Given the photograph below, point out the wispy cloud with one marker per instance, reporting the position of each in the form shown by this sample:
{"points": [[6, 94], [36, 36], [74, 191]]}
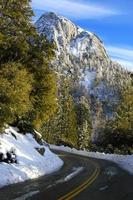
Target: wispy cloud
{"points": [[74, 9], [123, 55]]}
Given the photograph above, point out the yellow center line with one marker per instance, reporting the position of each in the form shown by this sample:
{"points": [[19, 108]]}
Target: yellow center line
{"points": [[83, 186], [61, 155]]}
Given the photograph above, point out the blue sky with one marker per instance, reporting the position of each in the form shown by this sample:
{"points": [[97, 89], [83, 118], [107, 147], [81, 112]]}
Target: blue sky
{"points": [[111, 20]]}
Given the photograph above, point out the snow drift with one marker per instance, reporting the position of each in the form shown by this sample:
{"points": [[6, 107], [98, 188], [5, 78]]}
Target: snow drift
{"points": [[30, 163]]}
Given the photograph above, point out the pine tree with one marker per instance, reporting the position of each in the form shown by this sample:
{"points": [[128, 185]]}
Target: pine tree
{"points": [[123, 123], [45, 102], [67, 123], [99, 122], [16, 29], [14, 92], [20, 44], [84, 123], [62, 126]]}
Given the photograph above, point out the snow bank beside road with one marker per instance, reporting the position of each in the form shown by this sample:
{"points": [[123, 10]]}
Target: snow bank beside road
{"points": [[124, 161], [31, 164]]}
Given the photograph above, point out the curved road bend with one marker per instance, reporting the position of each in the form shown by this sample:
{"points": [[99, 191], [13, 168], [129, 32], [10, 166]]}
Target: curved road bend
{"points": [[97, 180]]}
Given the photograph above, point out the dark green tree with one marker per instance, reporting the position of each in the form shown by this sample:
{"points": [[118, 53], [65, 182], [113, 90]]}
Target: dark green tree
{"points": [[62, 127], [67, 123], [84, 123], [16, 30], [15, 101], [20, 45], [123, 123], [99, 121]]}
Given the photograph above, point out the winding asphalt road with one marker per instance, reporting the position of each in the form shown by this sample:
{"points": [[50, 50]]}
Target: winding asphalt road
{"points": [[96, 180]]}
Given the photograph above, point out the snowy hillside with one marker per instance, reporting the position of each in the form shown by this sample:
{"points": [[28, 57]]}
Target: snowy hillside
{"points": [[30, 163]]}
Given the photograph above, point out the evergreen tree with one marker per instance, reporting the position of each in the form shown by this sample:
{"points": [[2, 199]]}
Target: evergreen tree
{"points": [[67, 116], [84, 123], [45, 102], [123, 123], [99, 122], [62, 127], [16, 30], [20, 45], [14, 92]]}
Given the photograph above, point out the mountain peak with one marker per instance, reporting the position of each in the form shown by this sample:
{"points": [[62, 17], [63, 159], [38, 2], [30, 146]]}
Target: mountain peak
{"points": [[51, 15], [51, 22], [69, 38], [52, 19]]}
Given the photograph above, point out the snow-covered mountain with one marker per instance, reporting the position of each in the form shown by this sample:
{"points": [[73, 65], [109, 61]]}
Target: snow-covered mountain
{"points": [[72, 42], [78, 51], [81, 56]]}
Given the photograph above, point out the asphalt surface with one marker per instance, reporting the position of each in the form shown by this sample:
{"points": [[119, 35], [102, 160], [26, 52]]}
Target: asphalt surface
{"points": [[98, 180]]}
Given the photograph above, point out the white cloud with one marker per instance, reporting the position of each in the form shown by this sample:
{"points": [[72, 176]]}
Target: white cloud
{"points": [[121, 52], [127, 64], [74, 9], [123, 55]]}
